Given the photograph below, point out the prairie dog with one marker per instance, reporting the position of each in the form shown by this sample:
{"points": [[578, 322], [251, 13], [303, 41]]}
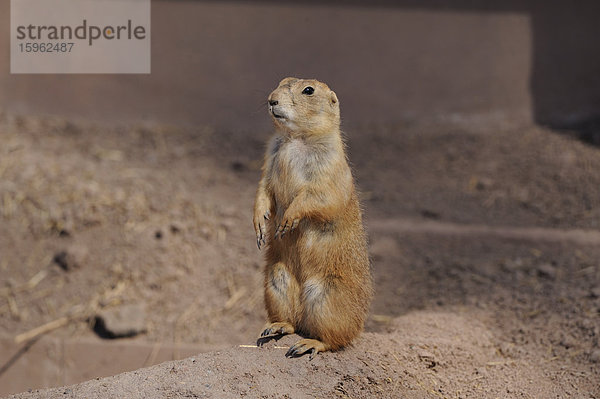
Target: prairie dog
{"points": [[317, 278]]}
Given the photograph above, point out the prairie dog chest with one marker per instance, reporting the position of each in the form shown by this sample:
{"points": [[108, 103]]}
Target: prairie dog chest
{"points": [[295, 164], [300, 158]]}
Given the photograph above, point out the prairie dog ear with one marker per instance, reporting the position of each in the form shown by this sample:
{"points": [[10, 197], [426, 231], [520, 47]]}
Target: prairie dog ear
{"points": [[333, 98]]}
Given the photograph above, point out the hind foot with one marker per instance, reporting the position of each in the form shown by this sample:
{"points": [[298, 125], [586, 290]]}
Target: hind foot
{"points": [[274, 331], [304, 346], [280, 328]]}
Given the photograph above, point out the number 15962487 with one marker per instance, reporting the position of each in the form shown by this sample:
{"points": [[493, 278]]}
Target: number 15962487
{"points": [[46, 47]]}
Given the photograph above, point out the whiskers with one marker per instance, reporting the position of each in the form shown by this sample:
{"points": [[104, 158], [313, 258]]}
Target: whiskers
{"points": [[262, 106]]}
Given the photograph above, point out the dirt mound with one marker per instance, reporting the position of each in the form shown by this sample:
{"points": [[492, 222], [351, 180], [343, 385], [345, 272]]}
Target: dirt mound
{"points": [[429, 354]]}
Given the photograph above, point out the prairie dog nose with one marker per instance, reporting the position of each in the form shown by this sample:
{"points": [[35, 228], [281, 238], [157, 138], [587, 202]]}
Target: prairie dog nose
{"points": [[273, 102]]}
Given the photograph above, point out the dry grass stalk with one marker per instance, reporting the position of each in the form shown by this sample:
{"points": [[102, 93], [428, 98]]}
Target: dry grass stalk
{"points": [[43, 329]]}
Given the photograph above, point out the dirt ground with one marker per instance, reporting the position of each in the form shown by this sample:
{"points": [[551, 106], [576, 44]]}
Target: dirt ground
{"points": [[485, 245]]}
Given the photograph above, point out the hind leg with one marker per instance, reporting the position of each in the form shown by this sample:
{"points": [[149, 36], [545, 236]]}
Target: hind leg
{"points": [[281, 300], [332, 316]]}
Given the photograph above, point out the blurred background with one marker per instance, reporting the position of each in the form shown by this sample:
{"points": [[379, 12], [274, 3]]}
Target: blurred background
{"points": [[473, 130], [527, 61]]}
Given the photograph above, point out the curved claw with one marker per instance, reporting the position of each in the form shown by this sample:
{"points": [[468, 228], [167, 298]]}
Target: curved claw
{"points": [[301, 349], [280, 230], [289, 227], [295, 350], [295, 224], [274, 331], [305, 346], [260, 235], [260, 238], [260, 241], [286, 227], [269, 331]]}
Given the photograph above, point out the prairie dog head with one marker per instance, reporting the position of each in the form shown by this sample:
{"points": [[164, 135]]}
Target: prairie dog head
{"points": [[304, 106]]}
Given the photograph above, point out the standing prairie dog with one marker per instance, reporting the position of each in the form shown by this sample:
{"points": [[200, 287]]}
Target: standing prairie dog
{"points": [[317, 277]]}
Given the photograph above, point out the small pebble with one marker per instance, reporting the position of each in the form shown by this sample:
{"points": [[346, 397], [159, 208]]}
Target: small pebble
{"points": [[547, 271], [71, 258], [124, 321], [428, 358]]}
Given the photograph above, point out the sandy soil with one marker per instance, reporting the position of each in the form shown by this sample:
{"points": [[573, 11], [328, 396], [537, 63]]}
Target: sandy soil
{"points": [[484, 240]]}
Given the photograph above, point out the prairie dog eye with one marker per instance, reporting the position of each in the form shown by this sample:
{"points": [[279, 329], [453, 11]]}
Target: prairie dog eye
{"points": [[308, 90]]}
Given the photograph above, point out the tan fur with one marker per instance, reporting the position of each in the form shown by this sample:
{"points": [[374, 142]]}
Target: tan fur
{"points": [[317, 276]]}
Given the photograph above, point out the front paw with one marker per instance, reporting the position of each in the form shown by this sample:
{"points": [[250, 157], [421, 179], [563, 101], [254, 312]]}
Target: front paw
{"points": [[260, 219], [287, 224]]}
